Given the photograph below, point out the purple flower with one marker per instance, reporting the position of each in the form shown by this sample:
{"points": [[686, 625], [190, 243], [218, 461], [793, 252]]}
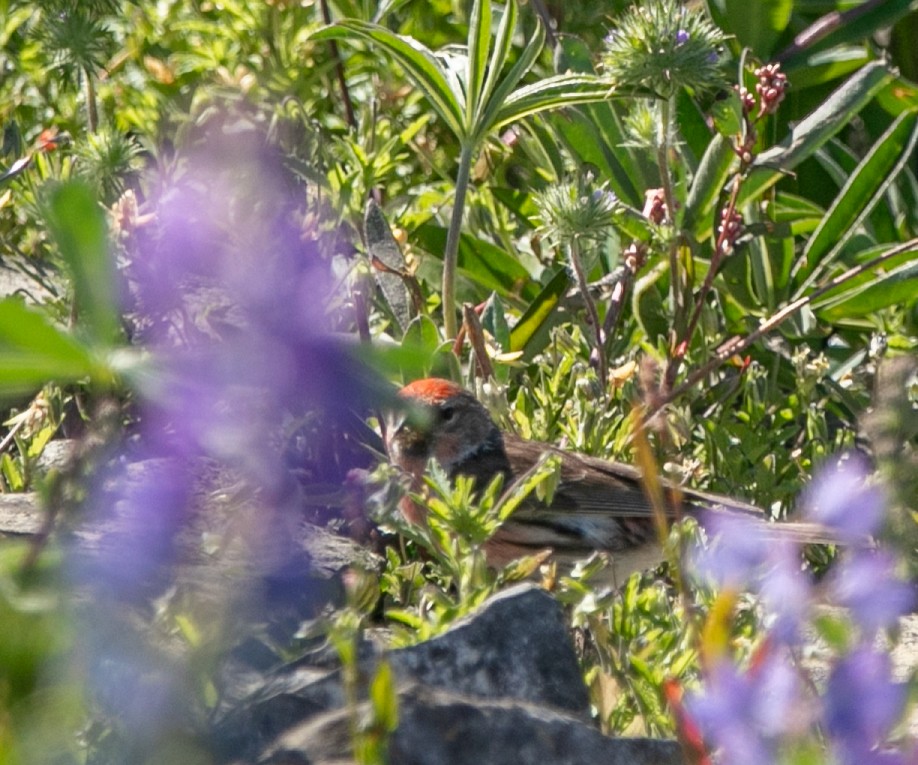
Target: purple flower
{"points": [[867, 584], [604, 196], [785, 592], [841, 499], [861, 705], [747, 715], [736, 553], [682, 37]]}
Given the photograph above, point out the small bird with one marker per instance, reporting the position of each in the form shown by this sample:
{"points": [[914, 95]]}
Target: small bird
{"points": [[598, 504]]}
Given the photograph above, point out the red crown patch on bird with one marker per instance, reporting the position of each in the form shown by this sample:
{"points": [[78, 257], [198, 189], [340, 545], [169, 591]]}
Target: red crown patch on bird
{"points": [[430, 390]]}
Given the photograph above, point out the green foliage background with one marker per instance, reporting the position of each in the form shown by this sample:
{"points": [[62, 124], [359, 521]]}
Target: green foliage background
{"points": [[467, 125]]}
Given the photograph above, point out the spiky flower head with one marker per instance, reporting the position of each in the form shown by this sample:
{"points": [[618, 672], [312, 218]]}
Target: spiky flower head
{"points": [[575, 209], [660, 47]]}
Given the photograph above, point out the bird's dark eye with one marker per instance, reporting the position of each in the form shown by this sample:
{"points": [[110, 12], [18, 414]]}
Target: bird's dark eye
{"points": [[447, 412]]}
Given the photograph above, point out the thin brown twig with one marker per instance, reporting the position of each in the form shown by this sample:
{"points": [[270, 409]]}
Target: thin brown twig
{"points": [[339, 70], [473, 330], [738, 344], [824, 26], [717, 259]]}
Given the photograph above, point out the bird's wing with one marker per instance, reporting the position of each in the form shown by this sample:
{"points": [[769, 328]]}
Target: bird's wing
{"points": [[602, 504]]}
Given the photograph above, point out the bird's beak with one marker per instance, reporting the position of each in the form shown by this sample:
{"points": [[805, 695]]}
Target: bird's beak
{"points": [[406, 427], [393, 424]]}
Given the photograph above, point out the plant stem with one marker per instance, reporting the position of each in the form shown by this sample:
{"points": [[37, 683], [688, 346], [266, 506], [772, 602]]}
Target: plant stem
{"points": [[451, 255], [670, 199], [349, 117], [574, 254], [92, 111], [717, 258]]}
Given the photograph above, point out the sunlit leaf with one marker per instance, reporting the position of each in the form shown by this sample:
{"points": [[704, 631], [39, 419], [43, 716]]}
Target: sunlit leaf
{"points": [[864, 188], [78, 226], [418, 61], [34, 351]]}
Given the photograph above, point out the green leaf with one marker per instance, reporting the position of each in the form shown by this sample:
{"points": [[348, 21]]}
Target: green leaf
{"points": [[527, 331], [482, 262], [478, 46], [869, 19], [499, 54], [552, 93], [382, 246], [727, 114], [864, 188], [894, 282], [817, 128], [419, 63], [715, 168], [77, 224], [833, 64], [486, 119], [801, 214], [494, 320], [384, 694], [756, 25], [590, 135], [33, 351], [12, 472]]}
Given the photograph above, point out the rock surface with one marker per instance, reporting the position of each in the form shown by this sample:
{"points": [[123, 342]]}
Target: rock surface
{"points": [[441, 728], [502, 685]]}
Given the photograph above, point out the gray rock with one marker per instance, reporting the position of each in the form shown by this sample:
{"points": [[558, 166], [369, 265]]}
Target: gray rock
{"points": [[441, 728], [515, 647], [56, 455], [20, 514]]}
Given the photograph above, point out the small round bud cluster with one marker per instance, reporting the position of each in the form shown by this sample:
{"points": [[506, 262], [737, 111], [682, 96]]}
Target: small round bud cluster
{"points": [[771, 87], [729, 230], [655, 206], [747, 99], [634, 256]]}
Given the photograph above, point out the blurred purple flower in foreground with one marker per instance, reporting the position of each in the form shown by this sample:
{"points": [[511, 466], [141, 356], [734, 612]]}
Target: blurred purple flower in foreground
{"points": [[861, 706], [745, 555], [757, 715], [867, 585], [748, 715], [231, 302], [841, 499]]}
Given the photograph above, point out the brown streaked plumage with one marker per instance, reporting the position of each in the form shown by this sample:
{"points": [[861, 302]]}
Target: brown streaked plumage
{"points": [[598, 505]]}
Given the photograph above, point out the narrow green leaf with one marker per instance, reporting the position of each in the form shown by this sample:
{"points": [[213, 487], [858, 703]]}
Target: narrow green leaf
{"points": [[419, 63], [817, 128], [898, 286], [33, 351], [727, 114], [801, 214], [482, 262], [518, 202], [382, 246], [830, 65], [849, 292], [494, 319], [715, 168], [865, 187], [524, 335], [77, 224], [554, 92], [499, 55], [874, 17], [504, 87], [479, 43], [384, 695], [757, 26], [580, 131]]}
